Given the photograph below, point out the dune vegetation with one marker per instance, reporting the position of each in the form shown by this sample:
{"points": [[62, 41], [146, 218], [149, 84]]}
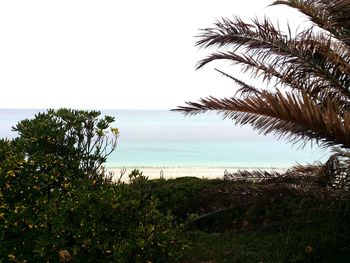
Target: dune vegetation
{"points": [[59, 204]]}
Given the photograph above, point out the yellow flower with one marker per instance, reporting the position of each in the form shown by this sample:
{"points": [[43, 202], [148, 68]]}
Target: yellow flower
{"points": [[115, 131]]}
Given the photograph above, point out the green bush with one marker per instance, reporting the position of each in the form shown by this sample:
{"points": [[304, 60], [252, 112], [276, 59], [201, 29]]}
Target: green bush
{"points": [[57, 204], [74, 142], [186, 196], [112, 223]]}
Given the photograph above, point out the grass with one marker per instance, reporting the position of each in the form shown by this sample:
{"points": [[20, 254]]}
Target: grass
{"points": [[312, 244]]}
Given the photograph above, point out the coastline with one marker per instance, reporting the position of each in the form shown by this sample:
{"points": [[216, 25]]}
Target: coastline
{"points": [[168, 172]]}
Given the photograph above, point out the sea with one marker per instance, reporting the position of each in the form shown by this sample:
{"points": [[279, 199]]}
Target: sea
{"points": [[162, 138]]}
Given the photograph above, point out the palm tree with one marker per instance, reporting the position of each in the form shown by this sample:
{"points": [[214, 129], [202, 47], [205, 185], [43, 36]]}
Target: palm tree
{"points": [[306, 74]]}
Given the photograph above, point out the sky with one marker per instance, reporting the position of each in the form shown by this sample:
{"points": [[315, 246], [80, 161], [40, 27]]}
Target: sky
{"points": [[105, 54]]}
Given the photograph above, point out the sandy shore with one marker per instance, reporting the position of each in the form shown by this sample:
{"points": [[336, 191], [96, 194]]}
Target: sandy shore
{"points": [[173, 172]]}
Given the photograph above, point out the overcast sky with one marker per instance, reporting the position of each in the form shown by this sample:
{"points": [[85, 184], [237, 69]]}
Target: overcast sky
{"points": [[131, 54]]}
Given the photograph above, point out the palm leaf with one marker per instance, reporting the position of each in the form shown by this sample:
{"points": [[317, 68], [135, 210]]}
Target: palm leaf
{"points": [[332, 16], [322, 66], [296, 118]]}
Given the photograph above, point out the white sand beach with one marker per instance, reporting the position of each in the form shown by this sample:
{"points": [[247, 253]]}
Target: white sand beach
{"points": [[174, 172]]}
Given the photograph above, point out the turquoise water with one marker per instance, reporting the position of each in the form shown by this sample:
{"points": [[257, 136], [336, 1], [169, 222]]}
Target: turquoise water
{"points": [[158, 138]]}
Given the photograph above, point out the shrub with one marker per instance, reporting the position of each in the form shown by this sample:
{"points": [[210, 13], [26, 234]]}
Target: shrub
{"points": [[57, 205], [115, 222], [73, 140]]}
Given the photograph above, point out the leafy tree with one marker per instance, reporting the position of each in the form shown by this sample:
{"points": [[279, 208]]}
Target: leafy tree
{"points": [[307, 74]]}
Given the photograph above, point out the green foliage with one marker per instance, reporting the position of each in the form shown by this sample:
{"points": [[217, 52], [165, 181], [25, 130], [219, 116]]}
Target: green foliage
{"points": [[75, 141], [112, 223], [56, 200], [5, 149], [190, 195]]}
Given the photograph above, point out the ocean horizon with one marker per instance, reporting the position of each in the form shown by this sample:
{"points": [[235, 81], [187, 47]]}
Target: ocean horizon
{"points": [[163, 139]]}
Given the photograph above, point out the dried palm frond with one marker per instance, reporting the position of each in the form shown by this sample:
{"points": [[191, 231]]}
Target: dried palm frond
{"points": [[335, 173], [309, 62], [254, 176], [292, 179], [332, 16], [283, 114]]}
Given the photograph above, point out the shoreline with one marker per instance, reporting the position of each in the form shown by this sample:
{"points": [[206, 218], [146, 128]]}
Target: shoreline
{"points": [[167, 172]]}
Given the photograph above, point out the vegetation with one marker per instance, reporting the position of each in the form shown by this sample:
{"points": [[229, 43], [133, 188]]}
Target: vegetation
{"points": [[58, 203], [77, 140]]}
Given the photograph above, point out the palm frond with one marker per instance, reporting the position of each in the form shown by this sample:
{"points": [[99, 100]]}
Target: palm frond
{"points": [[332, 16], [300, 177], [285, 115], [254, 176], [312, 59]]}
